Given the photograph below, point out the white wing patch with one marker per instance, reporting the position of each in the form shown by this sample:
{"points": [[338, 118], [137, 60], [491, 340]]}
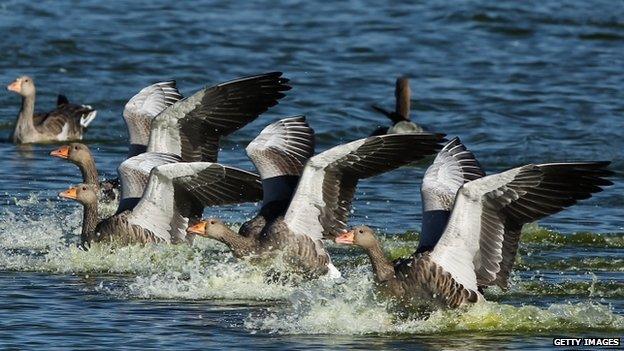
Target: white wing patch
{"points": [[62, 136], [458, 249], [302, 217]]}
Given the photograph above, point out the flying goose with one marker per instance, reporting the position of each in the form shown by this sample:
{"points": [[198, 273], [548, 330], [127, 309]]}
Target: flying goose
{"points": [[400, 117], [479, 244], [66, 122], [321, 203], [176, 193]]}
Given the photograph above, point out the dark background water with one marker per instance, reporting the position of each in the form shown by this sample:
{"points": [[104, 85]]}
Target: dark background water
{"points": [[519, 82]]}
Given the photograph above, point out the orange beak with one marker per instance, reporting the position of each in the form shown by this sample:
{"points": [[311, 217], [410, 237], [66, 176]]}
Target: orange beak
{"points": [[346, 238], [61, 152], [70, 193], [15, 86], [199, 228]]}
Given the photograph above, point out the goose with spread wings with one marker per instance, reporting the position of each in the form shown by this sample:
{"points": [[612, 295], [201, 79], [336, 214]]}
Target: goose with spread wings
{"points": [[279, 153], [175, 194], [138, 114], [164, 128], [322, 200], [479, 243]]}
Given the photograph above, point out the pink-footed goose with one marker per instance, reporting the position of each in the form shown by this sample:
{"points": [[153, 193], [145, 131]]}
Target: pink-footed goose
{"points": [[479, 243], [66, 122], [189, 129], [322, 200], [400, 117], [175, 194]]}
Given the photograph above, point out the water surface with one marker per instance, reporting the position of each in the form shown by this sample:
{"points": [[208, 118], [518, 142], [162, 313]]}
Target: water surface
{"points": [[519, 82]]}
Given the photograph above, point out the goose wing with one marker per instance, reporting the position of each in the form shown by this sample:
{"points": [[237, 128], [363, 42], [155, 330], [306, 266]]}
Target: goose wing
{"points": [[279, 153], [177, 192], [453, 167], [144, 106], [322, 201], [191, 128], [480, 242], [134, 174]]}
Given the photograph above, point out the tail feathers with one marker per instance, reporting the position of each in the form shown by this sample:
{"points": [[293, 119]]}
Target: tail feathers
{"points": [[86, 119]]}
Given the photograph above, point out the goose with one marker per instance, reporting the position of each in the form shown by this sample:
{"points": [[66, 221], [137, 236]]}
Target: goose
{"points": [[176, 193], [138, 113], [479, 243], [188, 129], [279, 153], [66, 122], [321, 203], [400, 117]]}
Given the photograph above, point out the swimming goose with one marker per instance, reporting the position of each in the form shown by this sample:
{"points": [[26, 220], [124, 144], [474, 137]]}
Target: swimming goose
{"points": [[176, 193], [66, 122], [321, 203], [480, 241], [400, 117]]}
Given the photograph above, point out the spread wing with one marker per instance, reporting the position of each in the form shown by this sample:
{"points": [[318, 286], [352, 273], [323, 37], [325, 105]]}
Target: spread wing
{"points": [[191, 128], [279, 153], [480, 241], [453, 166], [134, 174], [177, 192], [322, 201], [144, 106]]}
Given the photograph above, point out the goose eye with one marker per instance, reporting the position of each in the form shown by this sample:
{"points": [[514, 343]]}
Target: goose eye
{"points": [[212, 222], [75, 147], [360, 231], [84, 188]]}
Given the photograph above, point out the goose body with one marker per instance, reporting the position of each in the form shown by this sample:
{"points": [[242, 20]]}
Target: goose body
{"points": [[478, 244], [66, 122], [321, 203]]}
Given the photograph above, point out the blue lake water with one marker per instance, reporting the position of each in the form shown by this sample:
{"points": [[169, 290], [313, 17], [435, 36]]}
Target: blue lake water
{"points": [[519, 82]]}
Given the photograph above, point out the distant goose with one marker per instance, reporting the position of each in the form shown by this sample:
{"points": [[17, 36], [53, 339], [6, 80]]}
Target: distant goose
{"points": [[321, 203], [66, 122], [400, 117], [479, 244], [176, 193]]}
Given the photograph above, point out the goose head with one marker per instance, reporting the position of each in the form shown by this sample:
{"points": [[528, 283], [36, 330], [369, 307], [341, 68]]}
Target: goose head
{"points": [[210, 228], [85, 194], [362, 236], [75, 152], [24, 85]]}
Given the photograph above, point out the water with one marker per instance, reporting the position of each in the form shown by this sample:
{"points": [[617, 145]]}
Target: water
{"points": [[519, 82]]}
